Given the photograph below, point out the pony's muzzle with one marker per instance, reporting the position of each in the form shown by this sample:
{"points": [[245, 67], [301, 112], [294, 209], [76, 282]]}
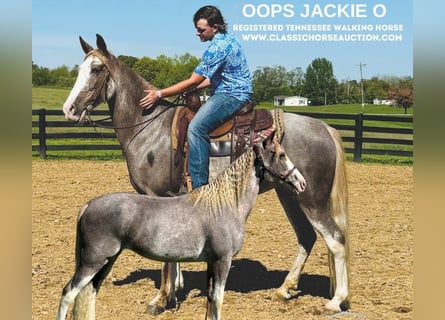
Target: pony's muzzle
{"points": [[296, 179]]}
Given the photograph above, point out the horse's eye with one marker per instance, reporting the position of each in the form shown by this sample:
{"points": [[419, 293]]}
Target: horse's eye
{"points": [[96, 70]]}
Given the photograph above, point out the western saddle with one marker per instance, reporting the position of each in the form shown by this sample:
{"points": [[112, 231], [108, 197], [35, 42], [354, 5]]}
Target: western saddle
{"points": [[230, 139]]}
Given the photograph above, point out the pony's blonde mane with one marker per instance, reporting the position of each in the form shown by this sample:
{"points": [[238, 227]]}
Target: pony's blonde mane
{"points": [[226, 190]]}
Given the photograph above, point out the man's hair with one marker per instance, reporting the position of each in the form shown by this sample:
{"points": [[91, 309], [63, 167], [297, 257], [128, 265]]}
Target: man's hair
{"points": [[213, 16]]}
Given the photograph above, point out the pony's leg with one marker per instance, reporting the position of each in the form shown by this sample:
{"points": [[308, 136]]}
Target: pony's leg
{"points": [[210, 280], [306, 237], [166, 293], [85, 302], [217, 273], [179, 281], [70, 292]]}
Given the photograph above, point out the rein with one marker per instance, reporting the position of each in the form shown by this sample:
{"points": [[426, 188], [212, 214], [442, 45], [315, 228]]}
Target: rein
{"points": [[147, 122], [96, 124]]}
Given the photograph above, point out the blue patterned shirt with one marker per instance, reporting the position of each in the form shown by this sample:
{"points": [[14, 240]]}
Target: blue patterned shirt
{"points": [[225, 64]]}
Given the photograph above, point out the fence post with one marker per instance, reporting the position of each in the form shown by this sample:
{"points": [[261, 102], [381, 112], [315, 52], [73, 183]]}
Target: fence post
{"points": [[358, 138], [42, 133]]}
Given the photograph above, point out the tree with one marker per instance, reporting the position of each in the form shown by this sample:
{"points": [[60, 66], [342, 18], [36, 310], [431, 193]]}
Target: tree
{"points": [[40, 76], [182, 67], [147, 68], [320, 83], [128, 60], [348, 91], [403, 97], [376, 89], [295, 80], [61, 77], [271, 81]]}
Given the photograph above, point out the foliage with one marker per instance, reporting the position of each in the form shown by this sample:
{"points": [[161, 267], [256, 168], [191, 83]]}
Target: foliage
{"points": [[128, 60], [58, 77], [147, 68], [320, 83], [376, 88], [403, 96], [269, 82]]}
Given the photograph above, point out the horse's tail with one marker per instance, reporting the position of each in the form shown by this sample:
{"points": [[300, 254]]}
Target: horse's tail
{"points": [[339, 204], [84, 304]]}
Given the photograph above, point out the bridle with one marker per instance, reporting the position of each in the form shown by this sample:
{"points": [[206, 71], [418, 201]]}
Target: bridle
{"points": [[280, 176], [101, 93]]}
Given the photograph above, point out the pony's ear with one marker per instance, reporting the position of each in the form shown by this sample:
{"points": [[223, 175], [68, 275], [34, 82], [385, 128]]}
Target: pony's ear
{"points": [[85, 46], [269, 140], [101, 45]]}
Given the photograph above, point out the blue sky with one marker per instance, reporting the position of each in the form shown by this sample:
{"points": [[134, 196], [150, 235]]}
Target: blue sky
{"points": [[149, 28]]}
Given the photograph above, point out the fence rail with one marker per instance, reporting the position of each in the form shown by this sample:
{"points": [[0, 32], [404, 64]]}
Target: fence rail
{"points": [[371, 134]]}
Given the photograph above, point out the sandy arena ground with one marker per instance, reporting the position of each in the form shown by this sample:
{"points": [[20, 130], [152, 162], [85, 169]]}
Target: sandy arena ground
{"points": [[381, 218]]}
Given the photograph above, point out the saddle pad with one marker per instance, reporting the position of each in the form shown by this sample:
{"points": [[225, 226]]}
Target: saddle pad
{"points": [[223, 147]]}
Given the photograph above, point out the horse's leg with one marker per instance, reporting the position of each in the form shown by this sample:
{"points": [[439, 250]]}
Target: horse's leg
{"points": [[217, 273], [166, 293], [306, 237], [335, 239]]}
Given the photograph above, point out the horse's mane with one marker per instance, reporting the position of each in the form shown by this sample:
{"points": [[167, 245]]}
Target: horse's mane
{"points": [[227, 189]]}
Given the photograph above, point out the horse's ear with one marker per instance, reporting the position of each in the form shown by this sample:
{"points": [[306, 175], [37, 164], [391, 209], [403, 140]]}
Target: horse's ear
{"points": [[85, 46], [101, 45]]}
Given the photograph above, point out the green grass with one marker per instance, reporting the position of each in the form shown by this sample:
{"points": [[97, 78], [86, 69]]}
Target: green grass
{"points": [[48, 98], [53, 98], [343, 108]]}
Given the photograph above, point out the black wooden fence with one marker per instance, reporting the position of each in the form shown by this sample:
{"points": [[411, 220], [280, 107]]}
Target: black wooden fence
{"points": [[361, 133]]}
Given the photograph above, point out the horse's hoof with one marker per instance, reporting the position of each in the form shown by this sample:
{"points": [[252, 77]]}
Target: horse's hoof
{"points": [[345, 305], [154, 309], [332, 306], [278, 296]]}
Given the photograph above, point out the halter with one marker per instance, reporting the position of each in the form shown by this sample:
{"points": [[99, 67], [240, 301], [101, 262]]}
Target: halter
{"points": [[281, 177]]}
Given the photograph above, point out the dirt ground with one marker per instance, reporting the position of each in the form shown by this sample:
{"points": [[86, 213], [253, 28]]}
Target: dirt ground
{"points": [[381, 218]]}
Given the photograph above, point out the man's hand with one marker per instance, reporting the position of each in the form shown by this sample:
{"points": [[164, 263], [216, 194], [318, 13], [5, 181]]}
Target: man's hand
{"points": [[147, 101]]}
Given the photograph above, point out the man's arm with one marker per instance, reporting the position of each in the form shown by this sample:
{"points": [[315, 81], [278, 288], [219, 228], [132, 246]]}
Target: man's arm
{"points": [[206, 83], [152, 96]]}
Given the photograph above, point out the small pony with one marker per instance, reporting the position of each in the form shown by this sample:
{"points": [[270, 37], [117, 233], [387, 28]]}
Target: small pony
{"points": [[209, 222]]}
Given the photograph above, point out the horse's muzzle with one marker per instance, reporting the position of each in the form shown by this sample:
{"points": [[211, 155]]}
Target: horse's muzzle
{"points": [[71, 113]]}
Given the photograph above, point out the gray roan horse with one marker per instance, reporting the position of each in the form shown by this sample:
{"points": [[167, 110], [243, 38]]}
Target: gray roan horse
{"points": [[145, 135], [210, 221]]}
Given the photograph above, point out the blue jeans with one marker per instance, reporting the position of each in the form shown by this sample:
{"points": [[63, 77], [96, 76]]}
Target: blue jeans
{"points": [[218, 109]]}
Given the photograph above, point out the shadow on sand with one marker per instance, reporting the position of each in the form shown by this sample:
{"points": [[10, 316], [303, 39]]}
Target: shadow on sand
{"points": [[245, 276]]}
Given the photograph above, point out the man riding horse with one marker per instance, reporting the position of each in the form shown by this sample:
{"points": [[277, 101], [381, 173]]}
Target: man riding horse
{"points": [[223, 67]]}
